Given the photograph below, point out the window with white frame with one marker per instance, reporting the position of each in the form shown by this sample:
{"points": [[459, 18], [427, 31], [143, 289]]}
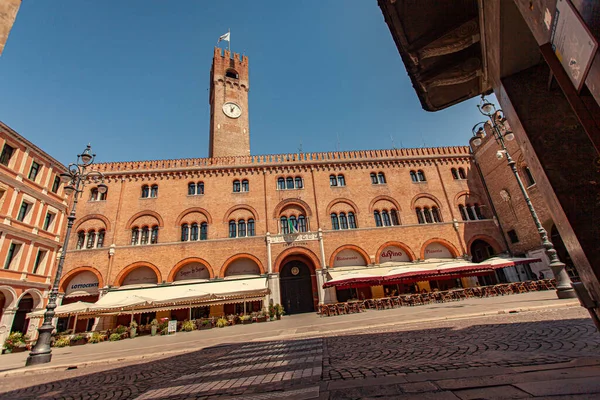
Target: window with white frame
{"points": [[13, 255], [289, 183]]}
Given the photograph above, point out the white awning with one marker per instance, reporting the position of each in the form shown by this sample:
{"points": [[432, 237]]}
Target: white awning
{"points": [[78, 307], [502, 262], [180, 295]]}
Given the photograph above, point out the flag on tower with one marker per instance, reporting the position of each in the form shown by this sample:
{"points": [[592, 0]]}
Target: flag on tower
{"points": [[224, 37]]}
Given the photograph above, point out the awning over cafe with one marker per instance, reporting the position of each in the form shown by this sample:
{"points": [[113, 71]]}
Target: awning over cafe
{"points": [[182, 294], [79, 307], [503, 262]]}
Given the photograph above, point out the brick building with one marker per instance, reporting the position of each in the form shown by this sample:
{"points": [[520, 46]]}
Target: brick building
{"points": [[289, 221], [32, 212]]}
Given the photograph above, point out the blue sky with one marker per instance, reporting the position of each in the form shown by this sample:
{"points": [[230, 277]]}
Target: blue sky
{"points": [[132, 78]]}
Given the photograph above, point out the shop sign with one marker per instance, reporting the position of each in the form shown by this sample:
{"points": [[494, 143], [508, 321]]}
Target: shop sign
{"points": [[437, 250], [393, 253], [192, 271], [349, 258], [85, 281], [294, 237], [242, 266], [172, 327], [140, 276]]}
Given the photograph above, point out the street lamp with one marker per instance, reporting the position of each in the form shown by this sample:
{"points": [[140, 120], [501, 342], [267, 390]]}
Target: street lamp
{"points": [[502, 132], [74, 181]]}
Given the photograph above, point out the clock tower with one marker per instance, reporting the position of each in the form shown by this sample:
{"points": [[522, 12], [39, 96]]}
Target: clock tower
{"points": [[229, 85]]}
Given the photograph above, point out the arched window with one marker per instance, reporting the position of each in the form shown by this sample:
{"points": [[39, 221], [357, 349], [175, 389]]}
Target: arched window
{"points": [[101, 234], [80, 239], [154, 235], [145, 191], [299, 183], [94, 194], [200, 188], [463, 212], [335, 223], [351, 220], [332, 180], [478, 212], [236, 186], [528, 176], [454, 173], [232, 73], [413, 176], [343, 221], [427, 212], [341, 180], [232, 229], [145, 235], [470, 212], [135, 235], [289, 183], [185, 231], [154, 191], [461, 173], [381, 178], [90, 239], [395, 219], [241, 228], [436, 214], [194, 232], [245, 185], [386, 218], [203, 231], [421, 176], [251, 231], [280, 183], [191, 189], [373, 178], [302, 224], [378, 221], [420, 215], [285, 229]]}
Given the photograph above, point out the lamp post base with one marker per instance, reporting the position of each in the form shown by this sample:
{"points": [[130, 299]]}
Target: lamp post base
{"points": [[36, 359], [566, 293]]}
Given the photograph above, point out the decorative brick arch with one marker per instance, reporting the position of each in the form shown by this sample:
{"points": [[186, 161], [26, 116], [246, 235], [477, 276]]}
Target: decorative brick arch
{"points": [[409, 252], [466, 193], [125, 271], [71, 274], [299, 254], [143, 213], [342, 200], [453, 250], [363, 253], [92, 216], [431, 197], [231, 259], [383, 197], [282, 204], [187, 261], [191, 210], [240, 207], [38, 298], [11, 297], [488, 239]]}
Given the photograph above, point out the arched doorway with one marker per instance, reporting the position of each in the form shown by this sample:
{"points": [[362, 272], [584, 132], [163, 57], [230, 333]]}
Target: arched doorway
{"points": [[295, 284], [21, 322], [481, 250]]}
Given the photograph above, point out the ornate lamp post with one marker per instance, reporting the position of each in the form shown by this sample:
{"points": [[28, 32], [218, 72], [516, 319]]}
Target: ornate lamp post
{"points": [[74, 180], [502, 132]]}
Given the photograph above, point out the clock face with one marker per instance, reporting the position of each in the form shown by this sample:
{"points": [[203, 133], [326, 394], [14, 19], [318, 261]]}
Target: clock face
{"points": [[232, 110]]}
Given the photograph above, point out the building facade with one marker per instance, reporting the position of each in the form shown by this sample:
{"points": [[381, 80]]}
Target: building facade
{"points": [[290, 218], [32, 213]]}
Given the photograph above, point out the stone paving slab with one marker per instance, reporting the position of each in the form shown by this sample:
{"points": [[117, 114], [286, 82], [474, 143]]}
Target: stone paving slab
{"points": [[587, 385], [504, 392]]}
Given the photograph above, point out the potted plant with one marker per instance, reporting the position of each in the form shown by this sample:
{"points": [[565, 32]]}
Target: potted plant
{"points": [[222, 322], [205, 324], [246, 319], [153, 327], [62, 341], [121, 330], [187, 326], [272, 312], [96, 337], [77, 340], [261, 317], [114, 337], [15, 342], [133, 329], [279, 311]]}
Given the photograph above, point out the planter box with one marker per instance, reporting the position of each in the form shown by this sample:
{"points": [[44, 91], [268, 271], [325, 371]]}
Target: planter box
{"points": [[16, 350], [78, 342], [248, 322], [204, 328]]}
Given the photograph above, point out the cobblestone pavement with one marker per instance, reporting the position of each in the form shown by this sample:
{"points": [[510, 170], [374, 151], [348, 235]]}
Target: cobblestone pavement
{"points": [[305, 368]]}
